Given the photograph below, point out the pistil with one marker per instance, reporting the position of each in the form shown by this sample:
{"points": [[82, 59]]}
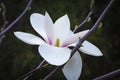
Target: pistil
{"points": [[57, 43]]}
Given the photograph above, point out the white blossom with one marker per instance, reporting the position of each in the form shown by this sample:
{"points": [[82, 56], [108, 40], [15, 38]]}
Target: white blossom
{"points": [[55, 42]]}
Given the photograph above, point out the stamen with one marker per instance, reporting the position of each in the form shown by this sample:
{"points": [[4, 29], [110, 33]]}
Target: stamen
{"points": [[57, 43]]}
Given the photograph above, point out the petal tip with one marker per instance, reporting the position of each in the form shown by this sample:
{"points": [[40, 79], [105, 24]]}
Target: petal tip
{"points": [[46, 13], [66, 15], [16, 32], [32, 15], [90, 49], [100, 54]]}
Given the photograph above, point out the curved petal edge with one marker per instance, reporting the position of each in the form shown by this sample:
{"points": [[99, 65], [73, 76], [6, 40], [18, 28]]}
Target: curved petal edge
{"points": [[54, 55], [90, 49], [29, 38], [73, 67]]}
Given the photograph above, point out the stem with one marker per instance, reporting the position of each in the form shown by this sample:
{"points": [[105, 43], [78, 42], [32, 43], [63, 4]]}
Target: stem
{"points": [[109, 75], [85, 20], [32, 71], [3, 15], [17, 19], [50, 74], [88, 16], [4, 20]]}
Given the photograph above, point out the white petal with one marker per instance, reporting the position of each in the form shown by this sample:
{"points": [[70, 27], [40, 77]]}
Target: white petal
{"points": [[74, 38], [49, 28], [73, 67], [63, 22], [29, 38], [37, 22], [62, 27], [54, 55], [90, 49]]}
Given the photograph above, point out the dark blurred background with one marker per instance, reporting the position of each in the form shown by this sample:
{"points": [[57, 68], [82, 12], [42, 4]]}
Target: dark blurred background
{"points": [[18, 58]]}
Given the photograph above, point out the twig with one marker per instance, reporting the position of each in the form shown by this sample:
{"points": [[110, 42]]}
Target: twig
{"points": [[24, 77], [108, 75], [17, 19], [3, 15], [4, 20], [86, 36], [85, 20], [50, 74]]}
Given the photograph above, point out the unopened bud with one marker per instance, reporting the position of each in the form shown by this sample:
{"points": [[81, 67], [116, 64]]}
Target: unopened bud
{"points": [[89, 19], [100, 25]]}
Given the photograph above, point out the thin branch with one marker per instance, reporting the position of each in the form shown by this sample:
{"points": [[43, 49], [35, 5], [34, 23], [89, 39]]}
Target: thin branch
{"points": [[4, 20], [85, 20], [26, 76], [77, 28], [17, 19], [3, 15], [92, 5], [109, 75], [50, 74]]}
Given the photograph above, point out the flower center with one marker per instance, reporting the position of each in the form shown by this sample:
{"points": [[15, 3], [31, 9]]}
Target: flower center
{"points": [[57, 43]]}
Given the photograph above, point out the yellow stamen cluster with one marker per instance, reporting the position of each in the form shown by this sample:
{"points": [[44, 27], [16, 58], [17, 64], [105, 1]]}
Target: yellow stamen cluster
{"points": [[57, 43]]}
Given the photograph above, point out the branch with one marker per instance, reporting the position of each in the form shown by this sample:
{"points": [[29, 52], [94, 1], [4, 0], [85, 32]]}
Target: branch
{"points": [[50, 74], [26, 76], [3, 15], [4, 20], [85, 20], [17, 19], [109, 75]]}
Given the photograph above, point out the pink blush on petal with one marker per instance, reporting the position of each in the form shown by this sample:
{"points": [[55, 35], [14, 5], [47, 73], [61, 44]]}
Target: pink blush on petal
{"points": [[49, 41], [64, 45]]}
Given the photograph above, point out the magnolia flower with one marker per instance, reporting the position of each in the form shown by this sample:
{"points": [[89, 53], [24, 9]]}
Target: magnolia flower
{"points": [[55, 42]]}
